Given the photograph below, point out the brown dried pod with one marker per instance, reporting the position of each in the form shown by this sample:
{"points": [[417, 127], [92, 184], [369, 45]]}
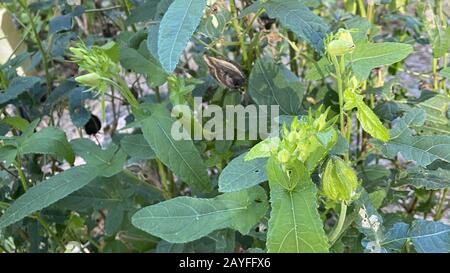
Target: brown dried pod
{"points": [[226, 72]]}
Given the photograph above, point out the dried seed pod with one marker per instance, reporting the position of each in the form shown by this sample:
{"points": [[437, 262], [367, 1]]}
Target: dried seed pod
{"points": [[226, 72], [93, 125]]}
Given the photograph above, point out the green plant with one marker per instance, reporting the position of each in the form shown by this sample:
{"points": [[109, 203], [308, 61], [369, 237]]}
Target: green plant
{"points": [[359, 160]]}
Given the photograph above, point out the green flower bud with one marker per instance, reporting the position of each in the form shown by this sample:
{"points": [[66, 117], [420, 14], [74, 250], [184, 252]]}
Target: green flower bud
{"points": [[339, 180], [341, 44], [283, 156], [91, 79]]}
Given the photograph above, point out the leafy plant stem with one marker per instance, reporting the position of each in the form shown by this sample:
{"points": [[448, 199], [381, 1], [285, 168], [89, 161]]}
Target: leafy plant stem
{"points": [[49, 230], [102, 9], [362, 9], [23, 179], [163, 176], [349, 130], [39, 45], [292, 54], [370, 11], [337, 66], [238, 30], [435, 75], [440, 208], [337, 231]]}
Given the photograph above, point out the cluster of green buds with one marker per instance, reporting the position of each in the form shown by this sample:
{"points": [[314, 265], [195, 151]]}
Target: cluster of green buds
{"points": [[300, 148], [307, 141], [339, 180], [103, 71], [98, 65], [340, 43]]}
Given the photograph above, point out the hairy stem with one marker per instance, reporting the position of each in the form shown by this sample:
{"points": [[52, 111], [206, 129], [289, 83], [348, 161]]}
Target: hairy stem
{"points": [[39, 45]]}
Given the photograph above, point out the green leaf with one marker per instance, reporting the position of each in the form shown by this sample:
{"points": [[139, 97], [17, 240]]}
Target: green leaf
{"points": [[48, 192], [8, 154], [49, 140], [96, 195], [131, 59], [263, 148], [426, 236], [368, 56], [137, 147], [185, 219], [320, 70], [440, 41], [179, 156], [108, 162], [272, 84], [428, 179], [297, 17], [240, 174], [421, 149], [369, 121], [295, 224], [16, 122], [60, 23], [17, 86], [364, 58], [446, 73], [176, 28], [430, 237]]}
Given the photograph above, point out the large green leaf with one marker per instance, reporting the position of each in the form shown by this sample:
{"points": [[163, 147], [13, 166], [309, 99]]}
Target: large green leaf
{"points": [[49, 140], [17, 86], [137, 147], [426, 236], [135, 61], [180, 156], [176, 28], [185, 219], [48, 192], [368, 56], [428, 179], [272, 84], [109, 161], [295, 224], [440, 41], [240, 174], [430, 237], [421, 149], [297, 17]]}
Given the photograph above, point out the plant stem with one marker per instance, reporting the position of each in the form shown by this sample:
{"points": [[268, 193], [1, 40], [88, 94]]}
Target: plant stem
{"points": [[293, 54], [440, 208], [370, 11], [435, 75], [340, 86], [127, 12], [335, 235], [49, 231], [162, 174], [39, 45], [362, 9], [23, 179], [102, 9], [239, 33]]}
